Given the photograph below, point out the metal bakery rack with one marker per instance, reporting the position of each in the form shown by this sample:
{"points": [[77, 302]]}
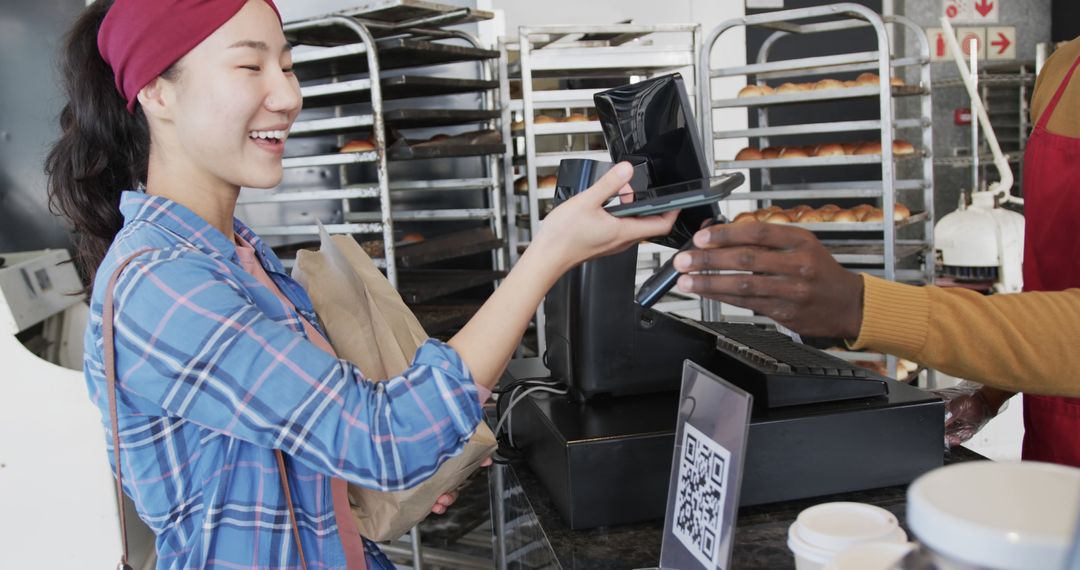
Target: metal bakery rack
{"points": [[370, 72], [874, 246], [560, 68]]}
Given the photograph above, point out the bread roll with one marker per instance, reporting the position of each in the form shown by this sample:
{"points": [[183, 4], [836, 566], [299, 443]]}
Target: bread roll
{"points": [[546, 181], [544, 119], [576, 118], [745, 217], [748, 153], [358, 145], [778, 218], [900, 212], [763, 213], [750, 91], [439, 137], [870, 79], [521, 184], [411, 237], [849, 147], [851, 83], [869, 148], [861, 210], [844, 216], [830, 149], [766, 90], [830, 207], [517, 125], [800, 210], [902, 147], [874, 215], [788, 88], [811, 217], [896, 82], [828, 84], [771, 152], [805, 86], [793, 152], [811, 149]]}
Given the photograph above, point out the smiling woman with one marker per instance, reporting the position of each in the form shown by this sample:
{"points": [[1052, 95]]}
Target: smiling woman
{"points": [[237, 427]]}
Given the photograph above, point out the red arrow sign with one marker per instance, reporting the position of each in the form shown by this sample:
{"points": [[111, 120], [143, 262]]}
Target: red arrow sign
{"points": [[1003, 42], [983, 7]]}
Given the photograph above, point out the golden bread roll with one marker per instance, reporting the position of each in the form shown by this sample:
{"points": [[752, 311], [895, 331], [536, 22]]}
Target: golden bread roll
{"points": [[801, 209], [869, 148], [546, 181], [901, 212], [358, 145], [771, 152], [830, 149], [778, 218], [810, 149], [896, 82], [902, 147], [750, 91], [748, 153], [766, 90], [521, 184], [844, 216], [439, 137], [788, 88], [745, 217], [805, 86], [793, 152], [849, 147], [828, 84], [874, 215], [830, 207], [544, 119], [763, 213], [576, 118], [412, 237], [868, 79], [851, 83], [811, 217], [861, 210]]}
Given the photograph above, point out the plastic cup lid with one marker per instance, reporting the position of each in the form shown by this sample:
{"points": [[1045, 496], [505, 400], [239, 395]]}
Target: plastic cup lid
{"points": [[835, 526], [997, 515], [870, 556]]}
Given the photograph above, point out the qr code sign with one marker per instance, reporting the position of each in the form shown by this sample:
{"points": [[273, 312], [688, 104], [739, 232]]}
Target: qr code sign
{"points": [[699, 498]]}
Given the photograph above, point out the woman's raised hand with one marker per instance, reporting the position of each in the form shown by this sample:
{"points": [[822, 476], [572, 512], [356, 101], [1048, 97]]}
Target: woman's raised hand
{"points": [[580, 229]]}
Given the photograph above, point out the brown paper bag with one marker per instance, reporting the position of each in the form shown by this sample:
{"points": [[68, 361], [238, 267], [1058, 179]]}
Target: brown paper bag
{"points": [[369, 325]]}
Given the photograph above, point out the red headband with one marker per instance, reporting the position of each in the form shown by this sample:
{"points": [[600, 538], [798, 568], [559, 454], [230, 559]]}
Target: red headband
{"points": [[140, 39]]}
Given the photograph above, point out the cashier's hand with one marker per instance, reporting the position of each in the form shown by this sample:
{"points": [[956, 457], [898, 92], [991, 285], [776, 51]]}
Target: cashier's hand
{"points": [[445, 500], [579, 229], [791, 277]]}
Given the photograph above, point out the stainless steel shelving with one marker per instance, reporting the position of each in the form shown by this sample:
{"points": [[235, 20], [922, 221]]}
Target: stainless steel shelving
{"points": [[877, 244], [549, 56], [345, 73]]}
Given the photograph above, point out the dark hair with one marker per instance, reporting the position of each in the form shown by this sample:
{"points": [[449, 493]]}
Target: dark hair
{"points": [[102, 150]]}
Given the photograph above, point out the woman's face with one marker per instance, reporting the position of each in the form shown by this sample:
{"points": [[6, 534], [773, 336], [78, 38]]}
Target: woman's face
{"points": [[235, 100]]}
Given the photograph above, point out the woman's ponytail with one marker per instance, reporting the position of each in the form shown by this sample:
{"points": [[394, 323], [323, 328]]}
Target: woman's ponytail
{"points": [[102, 150]]}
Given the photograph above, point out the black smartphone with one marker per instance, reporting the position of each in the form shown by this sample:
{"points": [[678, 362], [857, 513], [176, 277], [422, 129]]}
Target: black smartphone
{"points": [[678, 196]]}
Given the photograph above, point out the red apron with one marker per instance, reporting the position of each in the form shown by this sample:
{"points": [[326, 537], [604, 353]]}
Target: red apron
{"points": [[1052, 263]]}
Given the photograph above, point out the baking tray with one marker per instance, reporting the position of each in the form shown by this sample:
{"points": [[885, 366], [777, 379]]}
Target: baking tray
{"points": [[422, 285], [812, 161], [441, 150], [384, 16], [396, 87], [437, 319], [914, 218], [449, 246], [394, 53], [395, 119], [817, 95], [868, 253]]}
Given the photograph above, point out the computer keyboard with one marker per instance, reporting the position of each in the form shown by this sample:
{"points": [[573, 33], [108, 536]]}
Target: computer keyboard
{"points": [[781, 372]]}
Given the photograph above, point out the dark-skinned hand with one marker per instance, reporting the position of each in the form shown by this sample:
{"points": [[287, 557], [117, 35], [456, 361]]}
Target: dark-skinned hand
{"points": [[792, 277]]}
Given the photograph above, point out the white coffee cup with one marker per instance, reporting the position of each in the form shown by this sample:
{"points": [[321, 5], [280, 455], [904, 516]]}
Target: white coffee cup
{"points": [[820, 532], [870, 556]]}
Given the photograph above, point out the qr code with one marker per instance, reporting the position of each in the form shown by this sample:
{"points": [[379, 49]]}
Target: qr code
{"points": [[699, 497]]}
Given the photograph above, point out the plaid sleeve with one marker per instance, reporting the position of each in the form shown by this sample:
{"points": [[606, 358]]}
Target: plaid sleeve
{"points": [[191, 343]]}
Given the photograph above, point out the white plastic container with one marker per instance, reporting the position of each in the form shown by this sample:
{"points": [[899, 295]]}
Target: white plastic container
{"points": [[820, 532], [997, 516], [870, 556]]}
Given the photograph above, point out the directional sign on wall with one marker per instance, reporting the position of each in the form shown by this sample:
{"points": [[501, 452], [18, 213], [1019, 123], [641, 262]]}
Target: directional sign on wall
{"points": [[1001, 42], [971, 11]]}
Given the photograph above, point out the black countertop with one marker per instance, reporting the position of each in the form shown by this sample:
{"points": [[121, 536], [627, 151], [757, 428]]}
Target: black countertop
{"points": [[537, 537]]}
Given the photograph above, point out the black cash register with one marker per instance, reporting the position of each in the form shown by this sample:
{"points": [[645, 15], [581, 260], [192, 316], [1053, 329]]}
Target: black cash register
{"points": [[819, 426]]}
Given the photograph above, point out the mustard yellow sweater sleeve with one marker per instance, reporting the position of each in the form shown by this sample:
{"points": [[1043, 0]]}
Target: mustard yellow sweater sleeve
{"points": [[1024, 342]]}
